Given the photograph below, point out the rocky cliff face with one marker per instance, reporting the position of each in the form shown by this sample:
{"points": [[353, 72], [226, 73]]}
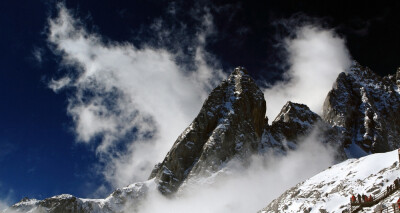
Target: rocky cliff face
{"points": [[365, 107], [230, 124]]}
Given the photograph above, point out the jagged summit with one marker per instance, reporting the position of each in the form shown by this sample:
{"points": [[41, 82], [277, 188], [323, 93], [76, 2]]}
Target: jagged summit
{"points": [[295, 112], [239, 69], [365, 107], [292, 123], [230, 124]]}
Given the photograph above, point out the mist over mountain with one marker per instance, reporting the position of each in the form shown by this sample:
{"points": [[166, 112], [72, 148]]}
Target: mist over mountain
{"points": [[231, 137], [198, 107]]}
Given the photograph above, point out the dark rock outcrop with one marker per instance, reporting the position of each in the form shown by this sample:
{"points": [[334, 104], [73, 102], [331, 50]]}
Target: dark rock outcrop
{"points": [[230, 124], [365, 107], [294, 120], [292, 123]]}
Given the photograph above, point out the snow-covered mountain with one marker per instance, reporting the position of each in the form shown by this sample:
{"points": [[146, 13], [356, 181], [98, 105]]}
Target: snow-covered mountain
{"points": [[330, 190], [359, 118], [119, 201]]}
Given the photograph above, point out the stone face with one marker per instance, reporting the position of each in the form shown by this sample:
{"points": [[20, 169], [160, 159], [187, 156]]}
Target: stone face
{"points": [[230, 124], [365, 107]]}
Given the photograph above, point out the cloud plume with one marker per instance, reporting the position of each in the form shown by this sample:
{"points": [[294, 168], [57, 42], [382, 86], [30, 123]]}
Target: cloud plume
{"points": [[140, 98], [316, 56]]}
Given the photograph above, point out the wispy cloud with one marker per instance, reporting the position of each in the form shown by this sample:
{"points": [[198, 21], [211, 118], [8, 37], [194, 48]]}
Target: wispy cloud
{"points": [[38, 54], [6, 197], [121, 91]]}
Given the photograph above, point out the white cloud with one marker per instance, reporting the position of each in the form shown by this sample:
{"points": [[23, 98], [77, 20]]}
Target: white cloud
{"points": [[6, 198], [57, 85], [316, 57], [37, 54], [3, 205], [248, 188], [121, 91]]}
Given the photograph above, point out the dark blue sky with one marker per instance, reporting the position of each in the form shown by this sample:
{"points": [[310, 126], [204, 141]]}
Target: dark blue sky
{"points": [[38, 157], [38, 153]]}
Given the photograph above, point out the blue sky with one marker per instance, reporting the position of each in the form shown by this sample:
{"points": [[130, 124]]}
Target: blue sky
{"points": [[40, 152], [37, 150]]}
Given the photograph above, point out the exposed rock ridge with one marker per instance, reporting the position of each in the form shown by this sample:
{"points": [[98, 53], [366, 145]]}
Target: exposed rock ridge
{"points": [[230, 124], [365, 107], [294, 121]]}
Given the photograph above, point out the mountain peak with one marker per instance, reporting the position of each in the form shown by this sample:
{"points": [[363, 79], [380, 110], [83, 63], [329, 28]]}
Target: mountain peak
{"points": [[363, 105], [239, 70], [295, 112], [230, 124]]}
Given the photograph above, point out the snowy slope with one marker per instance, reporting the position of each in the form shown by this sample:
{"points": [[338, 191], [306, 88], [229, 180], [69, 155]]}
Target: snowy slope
{"points": [[118, 201], [331, 189]]}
